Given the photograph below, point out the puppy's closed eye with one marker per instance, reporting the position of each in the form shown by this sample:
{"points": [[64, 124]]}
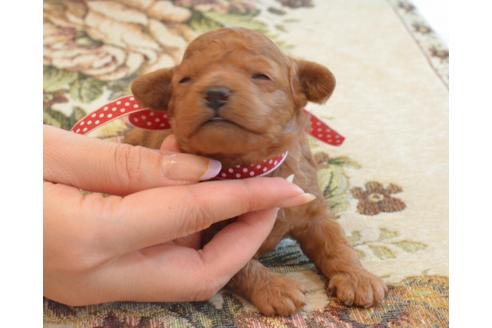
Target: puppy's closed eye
{"points": [[261, 76], [185, 79]]}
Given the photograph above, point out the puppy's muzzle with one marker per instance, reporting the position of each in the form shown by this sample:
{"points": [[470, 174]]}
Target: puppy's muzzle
{"points": [[216, 97]]}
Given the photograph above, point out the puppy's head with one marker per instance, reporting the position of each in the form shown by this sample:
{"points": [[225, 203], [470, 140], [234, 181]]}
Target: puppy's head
{"points": [[235, 95]]}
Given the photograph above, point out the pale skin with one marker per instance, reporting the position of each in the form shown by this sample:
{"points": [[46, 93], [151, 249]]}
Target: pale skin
{"points": [[136, 236]]}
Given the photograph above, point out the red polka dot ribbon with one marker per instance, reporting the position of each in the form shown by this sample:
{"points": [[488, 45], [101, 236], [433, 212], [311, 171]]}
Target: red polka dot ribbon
{"points": [[144, 118], [138, 116], [263, 168], [321, 131]]}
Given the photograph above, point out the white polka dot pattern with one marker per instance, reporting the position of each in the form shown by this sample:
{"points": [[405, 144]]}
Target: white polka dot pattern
{"points": [[323, 132], [122, 107], [263, 168]]}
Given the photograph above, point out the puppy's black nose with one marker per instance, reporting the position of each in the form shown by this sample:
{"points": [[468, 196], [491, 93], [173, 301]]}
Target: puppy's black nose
{"points": [[217, 97]]}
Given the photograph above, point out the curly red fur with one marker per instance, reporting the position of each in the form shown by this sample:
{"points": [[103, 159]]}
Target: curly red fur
{"points": [[263, 118]]}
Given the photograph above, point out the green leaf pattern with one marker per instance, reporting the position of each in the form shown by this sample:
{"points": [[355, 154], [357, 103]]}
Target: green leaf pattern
{"points": [[234, 20], [387, 234], [334, 182], [56, 79], [61, 120], [86, 90], [354, 237], [386, 246], [382, 252], [410, 246]]}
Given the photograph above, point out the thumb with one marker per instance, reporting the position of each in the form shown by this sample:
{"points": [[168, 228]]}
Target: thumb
{"points": [[170, 145]]}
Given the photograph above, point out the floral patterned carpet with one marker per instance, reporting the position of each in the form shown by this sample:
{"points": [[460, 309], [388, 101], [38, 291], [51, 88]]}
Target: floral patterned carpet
{"points": [[387, 184]]}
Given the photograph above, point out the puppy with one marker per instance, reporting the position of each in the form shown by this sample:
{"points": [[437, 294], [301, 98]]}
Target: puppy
{"points": [[236, 98]]}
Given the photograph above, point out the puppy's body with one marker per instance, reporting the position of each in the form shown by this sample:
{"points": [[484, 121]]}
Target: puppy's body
{"points": [[259, 115]]}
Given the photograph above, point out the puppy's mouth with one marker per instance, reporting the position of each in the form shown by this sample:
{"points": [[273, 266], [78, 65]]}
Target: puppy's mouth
{"points": [[218, 120]]}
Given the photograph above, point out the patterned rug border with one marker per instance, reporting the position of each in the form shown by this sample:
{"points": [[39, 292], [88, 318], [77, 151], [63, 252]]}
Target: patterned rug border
{"points": [[431, 45], [417, 301]]}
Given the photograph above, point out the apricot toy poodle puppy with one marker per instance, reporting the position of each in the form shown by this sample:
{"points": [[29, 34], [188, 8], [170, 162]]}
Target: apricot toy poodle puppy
{"points": [[237, 98]]}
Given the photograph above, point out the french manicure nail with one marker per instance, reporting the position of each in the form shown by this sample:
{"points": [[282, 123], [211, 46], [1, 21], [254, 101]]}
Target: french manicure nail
{"points": [[298, 200], [213, 168], [290, 179], [186, 167]]}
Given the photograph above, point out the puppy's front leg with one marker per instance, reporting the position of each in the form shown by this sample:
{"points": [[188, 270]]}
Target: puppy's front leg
{"points": [[323, 240], [271, 293]]}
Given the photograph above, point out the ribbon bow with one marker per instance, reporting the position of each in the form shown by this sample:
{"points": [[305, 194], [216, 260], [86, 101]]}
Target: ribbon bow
{"points": [[145, 118]]}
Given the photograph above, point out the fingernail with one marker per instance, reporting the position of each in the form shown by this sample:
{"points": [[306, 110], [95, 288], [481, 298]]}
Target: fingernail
{"points": [[290, 178], [213, 168], [298, 200], [186, 167]]}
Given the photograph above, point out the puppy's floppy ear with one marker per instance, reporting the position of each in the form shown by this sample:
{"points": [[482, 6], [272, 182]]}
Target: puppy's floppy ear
{"points": [[154, 89], [314, 81]]}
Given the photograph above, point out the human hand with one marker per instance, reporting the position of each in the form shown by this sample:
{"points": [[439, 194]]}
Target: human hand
{"points": [[129, 245]]}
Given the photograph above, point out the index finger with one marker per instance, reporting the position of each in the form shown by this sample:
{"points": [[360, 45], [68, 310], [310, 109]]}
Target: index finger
{"points": [[118, 169], [158, 215]]}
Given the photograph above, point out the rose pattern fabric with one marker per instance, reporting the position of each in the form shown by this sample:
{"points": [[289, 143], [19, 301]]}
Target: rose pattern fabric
{"points": [[221, 6], [296, 3], [113, 39]]}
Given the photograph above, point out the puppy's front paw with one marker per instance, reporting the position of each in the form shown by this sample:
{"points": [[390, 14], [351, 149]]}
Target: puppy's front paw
{"points": [[279, 296], [358, 287]]}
